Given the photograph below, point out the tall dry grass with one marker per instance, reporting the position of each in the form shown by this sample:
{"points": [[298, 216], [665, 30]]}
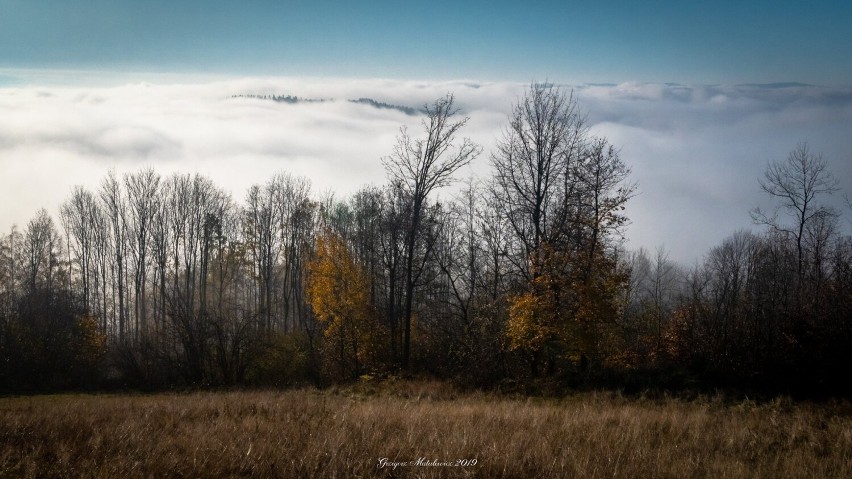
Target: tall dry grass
{"points": [[344, 433]]}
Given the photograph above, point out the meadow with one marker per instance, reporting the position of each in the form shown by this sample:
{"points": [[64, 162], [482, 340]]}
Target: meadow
{"points": [[419, 429]]}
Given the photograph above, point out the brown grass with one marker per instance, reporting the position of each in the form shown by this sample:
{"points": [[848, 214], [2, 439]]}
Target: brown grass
{"points": [[344, 433]]}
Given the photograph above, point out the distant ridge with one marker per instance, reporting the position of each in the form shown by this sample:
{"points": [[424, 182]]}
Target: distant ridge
{"points": [[291, 99], [381, 105], [284, 98]]}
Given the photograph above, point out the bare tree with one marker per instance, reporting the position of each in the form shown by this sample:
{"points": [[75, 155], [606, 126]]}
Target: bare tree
{"points": [[11, 259], [796, 183], [161, 234], [651, 296], [458, 253], [819, 233], [605, 189], [495, 231], [532, 164], [367, 206], [294, 220], [143, 197], [198, 207], [419, 166], [41, 246], [102, 255], [394, 209], [115, 209], [78, 216], [261, 221]]}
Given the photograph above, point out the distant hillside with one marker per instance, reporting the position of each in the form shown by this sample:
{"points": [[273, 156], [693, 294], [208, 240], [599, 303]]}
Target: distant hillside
{"points": [[284, 98], [291, 99], [381, 105]]}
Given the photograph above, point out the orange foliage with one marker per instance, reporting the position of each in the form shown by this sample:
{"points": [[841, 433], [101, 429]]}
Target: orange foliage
{"points": [[338, 291], [90, 342], [573, 303]]}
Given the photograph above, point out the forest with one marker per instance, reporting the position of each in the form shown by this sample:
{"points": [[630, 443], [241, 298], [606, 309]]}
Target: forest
{"points": [[520, 282]]}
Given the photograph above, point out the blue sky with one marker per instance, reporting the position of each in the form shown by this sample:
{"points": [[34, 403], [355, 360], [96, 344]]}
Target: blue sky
{"points": [[578, 41]]}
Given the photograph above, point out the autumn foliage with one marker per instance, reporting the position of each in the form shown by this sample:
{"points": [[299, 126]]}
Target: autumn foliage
{"points": [[338, 292], [568, 313]]}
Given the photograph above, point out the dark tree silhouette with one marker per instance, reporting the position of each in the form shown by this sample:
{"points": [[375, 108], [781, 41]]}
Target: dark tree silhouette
{"points": [[419, 166], [797, 183]]}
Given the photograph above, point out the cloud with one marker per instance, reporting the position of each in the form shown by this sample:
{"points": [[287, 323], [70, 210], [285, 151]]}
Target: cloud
{"points": [[696, 150]]}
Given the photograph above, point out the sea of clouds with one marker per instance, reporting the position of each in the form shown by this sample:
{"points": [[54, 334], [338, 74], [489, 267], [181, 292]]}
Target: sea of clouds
{"points": [[697, 152]]}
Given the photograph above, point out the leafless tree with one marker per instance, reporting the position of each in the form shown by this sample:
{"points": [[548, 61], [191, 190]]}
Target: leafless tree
{"points": [[532, 166], [42, 245], [419, 166], [495, 231], [198, 206], [650, 295], [261, 215], [797, 183], [459, 253], [295, 220], [11, 259], [143, 198], [79, 215], [161, 236], [605, 188], [392, 232], [115, 210], [367, 205]]}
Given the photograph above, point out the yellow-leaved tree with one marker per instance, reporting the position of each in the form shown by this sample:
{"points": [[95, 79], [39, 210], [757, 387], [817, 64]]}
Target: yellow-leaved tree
{"points": [[568, 311], [339, 293]]}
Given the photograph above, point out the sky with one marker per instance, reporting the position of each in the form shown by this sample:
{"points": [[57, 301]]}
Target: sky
{"points": [[699, 96], [573, 41]]}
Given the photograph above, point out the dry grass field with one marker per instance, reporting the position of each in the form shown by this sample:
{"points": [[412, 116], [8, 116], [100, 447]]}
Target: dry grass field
{"points": [[347, 432]]}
